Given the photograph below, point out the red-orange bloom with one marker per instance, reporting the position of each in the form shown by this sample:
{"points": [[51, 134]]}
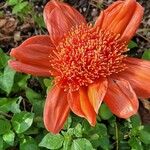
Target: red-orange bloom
{"points": [[87, 62]]}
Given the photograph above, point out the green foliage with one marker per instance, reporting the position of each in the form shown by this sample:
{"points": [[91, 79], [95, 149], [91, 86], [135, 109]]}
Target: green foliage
{"points": [[51, 141], [19, 7], [4, 126], [9, 137], [81, 144], [22, 121], [7, 80], [146, 54], [21, 110], [104, 112], [24, 9]]}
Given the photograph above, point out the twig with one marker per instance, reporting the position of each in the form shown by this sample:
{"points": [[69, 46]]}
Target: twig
{"points": [[143, 30], [11, 37], [148, 40], [3, 6]]}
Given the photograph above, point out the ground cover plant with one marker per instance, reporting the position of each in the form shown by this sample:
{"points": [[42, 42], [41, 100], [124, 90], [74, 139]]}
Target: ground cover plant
{"points": [[22, 96]]}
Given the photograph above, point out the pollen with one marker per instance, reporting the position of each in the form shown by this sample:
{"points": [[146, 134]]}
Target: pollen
{"points": [[86, 54]]}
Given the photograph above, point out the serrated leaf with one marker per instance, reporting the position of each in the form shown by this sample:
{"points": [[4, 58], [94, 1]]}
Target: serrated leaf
{"points": [[104, 112], [51, 141], [9, 137], [81, 144], [4, 126], [7, 80], [22, 121], [146, 54]]}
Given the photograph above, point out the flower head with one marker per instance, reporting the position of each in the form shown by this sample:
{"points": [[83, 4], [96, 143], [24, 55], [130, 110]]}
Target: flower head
{"points": [[87, 62]]}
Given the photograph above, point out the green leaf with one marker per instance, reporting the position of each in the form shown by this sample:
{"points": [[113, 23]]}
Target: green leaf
{"points": [[7, 80], [39, 20], [147, 128], [36, 100], [104, 112], [3, 59], [146, 54], [123, 145], [20, 82], [145, 136], [9, 137], [32, 95], [68, 123], [47, 82], [98, 136], [104, 142], [81, 144], [29, 144], [13, 2], [1, 143], [10, 104], [135, 121], [132, 44], [51, 141], [78, 130], [22, 121], [4, 126], [135, 144], [68, 136], [19, 7]]}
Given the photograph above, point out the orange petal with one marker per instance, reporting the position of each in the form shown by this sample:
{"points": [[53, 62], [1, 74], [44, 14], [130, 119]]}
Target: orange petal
{"points": [[29, 69], [121, 99], [96, 93], [134, 23], [107, 16], [120, 17], [56, 110], [138, 74], [39, 39], [59, 18], [81, 106], [35, 52]]}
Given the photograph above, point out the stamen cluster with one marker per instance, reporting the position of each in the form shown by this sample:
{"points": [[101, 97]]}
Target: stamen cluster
{"points": [[87, 53]]}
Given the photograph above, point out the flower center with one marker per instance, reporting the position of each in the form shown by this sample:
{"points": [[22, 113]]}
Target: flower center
{"points": [[86, 54]]}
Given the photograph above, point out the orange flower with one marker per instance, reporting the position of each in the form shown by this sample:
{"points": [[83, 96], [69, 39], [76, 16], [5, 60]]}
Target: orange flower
{"points": [[87, 62]]}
